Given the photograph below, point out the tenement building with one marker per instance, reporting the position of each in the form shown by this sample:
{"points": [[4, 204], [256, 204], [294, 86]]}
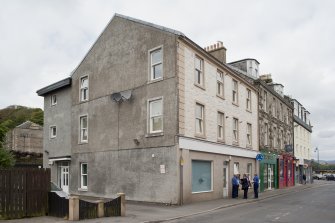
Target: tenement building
{"points": [[275, 120], [302, 142], [150, 113]]}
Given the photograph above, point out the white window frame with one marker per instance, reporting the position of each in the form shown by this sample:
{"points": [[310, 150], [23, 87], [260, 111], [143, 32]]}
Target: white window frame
{"points": [[53, 100], [81, 133], [235, 91], [83, 89], [249, 135], [235, 130], [82, 186], [152, 65], [248, 100], [199, 77], [151, 117], [201, 119], [220, 83], [52, 135], [236, 168], [221, 126]]}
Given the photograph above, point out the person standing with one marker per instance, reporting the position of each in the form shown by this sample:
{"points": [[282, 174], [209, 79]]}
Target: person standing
{"points": [[245, 186], [304, 178], [234, 182], [256, 185]]}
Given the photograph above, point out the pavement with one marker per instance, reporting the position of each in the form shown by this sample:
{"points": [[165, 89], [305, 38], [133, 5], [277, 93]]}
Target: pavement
{"points": [[154, 213]]}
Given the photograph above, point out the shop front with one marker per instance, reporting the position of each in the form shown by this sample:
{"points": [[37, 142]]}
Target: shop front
{"points": [[286, 169], [268, 172]]}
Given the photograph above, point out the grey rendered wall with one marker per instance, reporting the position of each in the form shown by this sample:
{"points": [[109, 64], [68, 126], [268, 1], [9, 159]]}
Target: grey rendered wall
{"points": [[217, 174], [59, 115], [120, 61], [137, 173]]}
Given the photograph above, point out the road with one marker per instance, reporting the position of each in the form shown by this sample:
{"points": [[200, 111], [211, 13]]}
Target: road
{"points": [[312, 205]]}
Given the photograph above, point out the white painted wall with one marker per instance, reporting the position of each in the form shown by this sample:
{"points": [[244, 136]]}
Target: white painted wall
{"points": [[302, 141]]}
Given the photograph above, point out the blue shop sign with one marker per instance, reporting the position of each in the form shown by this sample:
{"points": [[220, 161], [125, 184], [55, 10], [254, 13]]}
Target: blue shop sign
{"points": [[259, 157]]}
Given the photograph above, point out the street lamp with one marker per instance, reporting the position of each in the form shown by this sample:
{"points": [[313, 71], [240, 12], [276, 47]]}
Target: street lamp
{"points": [[317, 150]]}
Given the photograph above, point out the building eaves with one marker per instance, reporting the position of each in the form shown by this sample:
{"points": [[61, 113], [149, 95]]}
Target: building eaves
{"points": [[162, 28], [243, 60], [267, 87], [303, 124], [216, 61], [55, 86], [28, 124]]}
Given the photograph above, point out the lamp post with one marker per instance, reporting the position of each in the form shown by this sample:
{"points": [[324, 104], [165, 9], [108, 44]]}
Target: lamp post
{"points": [[317, 150]]}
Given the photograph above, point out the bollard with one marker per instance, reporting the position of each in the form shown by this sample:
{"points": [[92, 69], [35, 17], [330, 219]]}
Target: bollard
{"points": [[74, 208], [101, 211], [123, 204]]}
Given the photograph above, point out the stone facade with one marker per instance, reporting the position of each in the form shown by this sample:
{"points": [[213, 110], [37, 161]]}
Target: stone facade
{"points": [[26, 137]]}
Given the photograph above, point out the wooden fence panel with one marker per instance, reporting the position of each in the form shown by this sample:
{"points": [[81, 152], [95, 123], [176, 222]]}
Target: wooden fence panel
{"points": [[58, 206], [87, 210], [113, 207], [23, 192]]}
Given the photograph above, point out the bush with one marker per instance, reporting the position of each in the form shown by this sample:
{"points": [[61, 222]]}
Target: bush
{"points": [[6, 158]]}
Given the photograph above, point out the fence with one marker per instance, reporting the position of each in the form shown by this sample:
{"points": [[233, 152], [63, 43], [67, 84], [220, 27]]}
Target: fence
{"points": [[83, 209], [113, 208], [23, 192], [58, 206]]}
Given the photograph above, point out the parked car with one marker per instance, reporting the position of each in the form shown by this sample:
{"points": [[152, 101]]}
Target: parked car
{"points": [[330, 177], [319, 176]]}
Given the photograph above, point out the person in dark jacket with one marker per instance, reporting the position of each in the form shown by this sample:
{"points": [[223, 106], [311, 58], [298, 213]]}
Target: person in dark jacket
{"points": [[256, 185], [245, 186], [304, 178]]}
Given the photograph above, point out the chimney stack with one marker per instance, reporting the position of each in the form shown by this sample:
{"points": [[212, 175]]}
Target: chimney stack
{"points": [[218, 51]]}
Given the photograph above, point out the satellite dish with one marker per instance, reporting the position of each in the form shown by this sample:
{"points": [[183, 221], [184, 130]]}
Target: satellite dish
{"points": [[125, 95], [116, 97]]}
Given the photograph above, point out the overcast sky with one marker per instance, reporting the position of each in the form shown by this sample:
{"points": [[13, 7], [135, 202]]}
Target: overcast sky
{"points": [[43, 41]]}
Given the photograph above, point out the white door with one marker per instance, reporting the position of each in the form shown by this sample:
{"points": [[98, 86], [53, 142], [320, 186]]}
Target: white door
{"points": [[269, 177], [225, 182], [64, 178]]}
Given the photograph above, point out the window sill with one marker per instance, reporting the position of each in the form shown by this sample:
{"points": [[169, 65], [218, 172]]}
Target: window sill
{"points": [[154, 134], [249, 147], [82, 189], [236, 104], [220, 96], [248, 110], [203, 136], [200, 86], [84, 101], [235, 144], [155, 80], [81, 143], [221, 141], [200, 192]]}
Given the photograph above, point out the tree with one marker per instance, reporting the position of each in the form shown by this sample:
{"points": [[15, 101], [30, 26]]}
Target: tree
{"points": [[37, 116], [6, 158], [3, 130]]}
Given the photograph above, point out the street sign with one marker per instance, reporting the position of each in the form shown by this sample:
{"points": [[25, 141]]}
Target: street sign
{"points": [[259, 157]]}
